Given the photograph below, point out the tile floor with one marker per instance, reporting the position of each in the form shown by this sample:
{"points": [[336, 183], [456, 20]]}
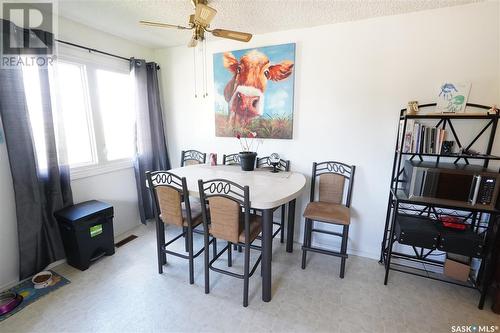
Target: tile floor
{"points": [[124, 293]]}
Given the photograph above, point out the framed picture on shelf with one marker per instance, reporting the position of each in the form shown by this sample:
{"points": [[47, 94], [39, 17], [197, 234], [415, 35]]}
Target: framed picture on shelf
{"points": [[412, 108], [452, 97], [447, 147]]}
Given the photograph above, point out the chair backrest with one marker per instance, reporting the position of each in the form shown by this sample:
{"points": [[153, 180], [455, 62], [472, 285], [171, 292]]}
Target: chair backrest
{"points": [[263, 162], [335, 179], [169, 191], [231, 159], [191, 157], [226, 199]]}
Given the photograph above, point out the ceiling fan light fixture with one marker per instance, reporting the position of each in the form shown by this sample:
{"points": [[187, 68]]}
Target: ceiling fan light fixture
{"points": [[204, 14]]}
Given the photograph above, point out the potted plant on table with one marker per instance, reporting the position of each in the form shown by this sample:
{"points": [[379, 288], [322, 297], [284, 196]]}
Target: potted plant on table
{"points": [[247, 155]]}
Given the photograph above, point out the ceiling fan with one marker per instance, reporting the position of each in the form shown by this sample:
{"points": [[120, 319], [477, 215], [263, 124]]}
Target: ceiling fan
{"points": [[199, 22]]}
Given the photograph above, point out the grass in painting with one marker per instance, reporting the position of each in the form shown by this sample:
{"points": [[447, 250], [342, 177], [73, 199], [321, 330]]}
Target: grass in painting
{"points": [[277, 127]]}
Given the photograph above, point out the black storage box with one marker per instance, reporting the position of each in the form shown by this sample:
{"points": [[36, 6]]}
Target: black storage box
{"points": [[416, 231], [87, 232], [464, 242]]}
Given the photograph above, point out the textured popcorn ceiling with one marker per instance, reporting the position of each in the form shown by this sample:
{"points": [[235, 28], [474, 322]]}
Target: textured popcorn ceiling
{"points": [[120, 17]]}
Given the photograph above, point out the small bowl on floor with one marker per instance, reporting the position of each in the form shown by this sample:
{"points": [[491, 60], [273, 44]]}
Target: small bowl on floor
{"points": [[42, 279], [9, 301]]}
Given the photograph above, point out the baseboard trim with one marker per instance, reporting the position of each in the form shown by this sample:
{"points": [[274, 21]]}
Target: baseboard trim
{"points": [[8, 285]]}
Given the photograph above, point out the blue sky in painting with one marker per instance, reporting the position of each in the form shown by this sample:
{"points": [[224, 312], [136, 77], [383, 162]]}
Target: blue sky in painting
{"points": [[278, 98]]}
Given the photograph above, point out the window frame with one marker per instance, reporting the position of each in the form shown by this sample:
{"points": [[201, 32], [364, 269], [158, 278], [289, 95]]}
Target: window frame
{"points": [[91, 64], [88, 113]]}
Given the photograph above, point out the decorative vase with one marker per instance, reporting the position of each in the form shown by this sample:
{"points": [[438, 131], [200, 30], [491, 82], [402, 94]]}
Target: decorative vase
{"points": [[247, 160]]}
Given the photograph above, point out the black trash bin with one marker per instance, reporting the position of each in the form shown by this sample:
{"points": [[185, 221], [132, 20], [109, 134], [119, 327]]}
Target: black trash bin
{"points": [[87, 232]]}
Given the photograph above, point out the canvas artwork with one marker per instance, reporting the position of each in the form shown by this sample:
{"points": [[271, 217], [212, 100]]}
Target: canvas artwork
{"points": [[452, 97], [254, 91]]}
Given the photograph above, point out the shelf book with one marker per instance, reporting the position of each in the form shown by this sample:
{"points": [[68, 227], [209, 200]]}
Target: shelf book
{"points": [[421, 139]]}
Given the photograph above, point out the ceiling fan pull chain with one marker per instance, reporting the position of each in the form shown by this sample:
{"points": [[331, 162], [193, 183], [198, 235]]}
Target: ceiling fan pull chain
{"points": [[202, 56], [205, 75], [195, 76]]}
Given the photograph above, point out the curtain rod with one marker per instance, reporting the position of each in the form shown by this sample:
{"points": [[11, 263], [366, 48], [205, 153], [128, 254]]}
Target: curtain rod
{"points": [[97, 51], [92, 50]]}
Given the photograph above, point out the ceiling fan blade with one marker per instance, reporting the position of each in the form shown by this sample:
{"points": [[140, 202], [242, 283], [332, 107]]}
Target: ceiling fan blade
{"points": [[162, 25], [193, 42], [204, 14], [236, 35]]}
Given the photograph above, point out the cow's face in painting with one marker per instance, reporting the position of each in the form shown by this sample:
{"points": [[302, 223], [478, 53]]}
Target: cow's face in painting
{"points": [[245, 91]]}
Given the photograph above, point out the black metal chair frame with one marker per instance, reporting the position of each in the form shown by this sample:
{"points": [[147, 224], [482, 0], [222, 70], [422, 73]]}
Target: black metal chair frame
{"points": [[284, 165], [347, 171], [193, 155], [240, 194], [201, 158], [231, 159], [164, 178]]}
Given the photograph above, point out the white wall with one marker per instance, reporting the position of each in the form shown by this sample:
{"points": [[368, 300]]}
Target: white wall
{"points": [[351, 81], [117, 188], [77, 33]]}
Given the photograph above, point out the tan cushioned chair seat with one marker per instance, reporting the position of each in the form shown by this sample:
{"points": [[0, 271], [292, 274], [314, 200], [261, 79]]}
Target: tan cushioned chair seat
{"points": [[328, 212], [191, 162], [255, 228], [196, 217], [227, 221]]}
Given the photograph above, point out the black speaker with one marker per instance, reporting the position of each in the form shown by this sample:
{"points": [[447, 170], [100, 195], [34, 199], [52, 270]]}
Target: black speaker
{"points": [[464, 242], [417, 231]]}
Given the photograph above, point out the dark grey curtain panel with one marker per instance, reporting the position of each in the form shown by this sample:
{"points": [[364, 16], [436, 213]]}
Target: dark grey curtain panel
{"points": [[39, 189], [150, 135]]}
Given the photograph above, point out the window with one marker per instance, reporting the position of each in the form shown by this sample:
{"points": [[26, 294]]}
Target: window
{"points": [[117, 114], [94, 107], [74, 113]]}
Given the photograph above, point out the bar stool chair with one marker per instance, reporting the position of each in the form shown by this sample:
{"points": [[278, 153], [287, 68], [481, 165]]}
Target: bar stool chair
{"points": [[231, 159], [170, 195], [192, 157], [334, 179], [284, 165], [230, 220]]}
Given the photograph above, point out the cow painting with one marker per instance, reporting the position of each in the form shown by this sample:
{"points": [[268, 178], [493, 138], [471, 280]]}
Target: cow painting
{"points": [[254, 91]]}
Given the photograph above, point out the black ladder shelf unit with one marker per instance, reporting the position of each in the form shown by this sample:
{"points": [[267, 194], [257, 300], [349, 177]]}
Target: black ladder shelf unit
{"points": [[483, 222]]}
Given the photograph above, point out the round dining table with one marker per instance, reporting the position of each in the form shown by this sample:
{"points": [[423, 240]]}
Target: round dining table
{"points": [[268, 191]]}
